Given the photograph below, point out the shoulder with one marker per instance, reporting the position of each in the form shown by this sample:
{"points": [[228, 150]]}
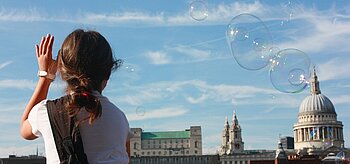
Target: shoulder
{"points": [[37, 115], [41, 106]]}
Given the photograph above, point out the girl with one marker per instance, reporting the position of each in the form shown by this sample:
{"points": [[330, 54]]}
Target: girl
{"points": [[85, 62]]}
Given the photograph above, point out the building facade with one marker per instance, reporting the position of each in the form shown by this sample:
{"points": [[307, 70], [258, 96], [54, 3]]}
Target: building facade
{"points": [[317, 126], [193, 159], [287, 142], [231, 138], [232, 146], [166, 143]]}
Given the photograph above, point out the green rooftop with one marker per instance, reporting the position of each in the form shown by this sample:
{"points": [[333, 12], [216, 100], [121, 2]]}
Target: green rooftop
{"points": [[165, 135]]}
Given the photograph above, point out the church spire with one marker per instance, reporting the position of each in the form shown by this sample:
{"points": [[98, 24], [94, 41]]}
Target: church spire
{"points": [[234, 119], [315, 87], [226, 122]]}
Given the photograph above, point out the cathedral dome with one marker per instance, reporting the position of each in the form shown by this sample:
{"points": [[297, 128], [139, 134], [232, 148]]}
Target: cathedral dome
{"points": [[316, 103]]}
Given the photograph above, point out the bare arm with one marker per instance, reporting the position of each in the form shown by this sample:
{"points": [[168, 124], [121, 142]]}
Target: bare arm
{"points": [[128, 149], [44, 56]]}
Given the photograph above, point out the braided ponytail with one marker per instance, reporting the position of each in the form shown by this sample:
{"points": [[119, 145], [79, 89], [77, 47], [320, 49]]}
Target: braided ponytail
{"points": [[81, 97], [85, 60]]}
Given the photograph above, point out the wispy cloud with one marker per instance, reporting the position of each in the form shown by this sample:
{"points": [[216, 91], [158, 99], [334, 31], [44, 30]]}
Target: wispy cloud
{"points": [[158, 113], [3, 65], [123, 18], [198, 100], [342, 99], [336, 68], [221, 13], [197, 91], [17, 84], [192, 52], [158, 57], [15, 15], [319, 33]]}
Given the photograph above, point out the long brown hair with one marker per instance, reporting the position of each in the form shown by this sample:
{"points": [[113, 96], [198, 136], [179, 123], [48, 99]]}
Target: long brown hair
{"points": [[85, 60]]}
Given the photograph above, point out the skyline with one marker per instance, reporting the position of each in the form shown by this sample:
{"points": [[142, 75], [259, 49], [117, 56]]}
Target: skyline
{"points": [[179, 72]]}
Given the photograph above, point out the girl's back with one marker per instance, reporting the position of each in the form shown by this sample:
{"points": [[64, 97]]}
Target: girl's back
{"points": [[104, 140]]}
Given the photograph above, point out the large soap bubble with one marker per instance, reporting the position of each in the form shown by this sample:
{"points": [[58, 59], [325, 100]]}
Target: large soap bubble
{"points": [[198, 10], [290, 71], [250, 41]]}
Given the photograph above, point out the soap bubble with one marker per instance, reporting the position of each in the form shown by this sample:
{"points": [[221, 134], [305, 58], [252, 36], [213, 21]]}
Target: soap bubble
{"points": [[296, 76], [289, 7], [290, 70], [140, 111], [260, 44], [237, 33], [129, 68], [250, 41], [273, 52], [198, 10]]}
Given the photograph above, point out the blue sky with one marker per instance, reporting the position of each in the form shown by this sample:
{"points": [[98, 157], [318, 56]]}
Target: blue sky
{"points": [[179, 71]]}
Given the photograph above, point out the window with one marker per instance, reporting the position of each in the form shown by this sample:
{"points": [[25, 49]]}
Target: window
{"points": [[195, 152], [196, 144], [237, 146], [135, 145]]}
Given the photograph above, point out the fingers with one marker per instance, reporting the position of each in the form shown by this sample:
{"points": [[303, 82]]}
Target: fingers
{"points": [[46, 42], [52, 38], [37, 50], [41, 45]]}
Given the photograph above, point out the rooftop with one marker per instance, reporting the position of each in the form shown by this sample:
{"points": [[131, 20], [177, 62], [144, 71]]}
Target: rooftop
{"points": [[165, 135]]}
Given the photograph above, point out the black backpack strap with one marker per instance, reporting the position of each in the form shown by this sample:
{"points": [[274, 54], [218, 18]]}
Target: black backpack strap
{"points": [[66, 133]]}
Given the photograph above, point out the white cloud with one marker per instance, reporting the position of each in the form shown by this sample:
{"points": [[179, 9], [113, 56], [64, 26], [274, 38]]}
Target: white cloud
{"points": [[157, 57], [342, 99], [17, 84], [3, 65], [14, 15], [221, 13], [201, 91], [157, 113], [337, 68], [123, 18], [198, 100], [193, 52], [318, 33]]}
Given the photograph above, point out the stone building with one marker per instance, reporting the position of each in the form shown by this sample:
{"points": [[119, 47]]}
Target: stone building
{"points": [[317, 127], [193, 159], [232, 146], [166, 143], [231, 138]]}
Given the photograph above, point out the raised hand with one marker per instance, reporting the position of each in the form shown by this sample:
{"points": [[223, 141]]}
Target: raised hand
{"points": [[44, 55]]}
